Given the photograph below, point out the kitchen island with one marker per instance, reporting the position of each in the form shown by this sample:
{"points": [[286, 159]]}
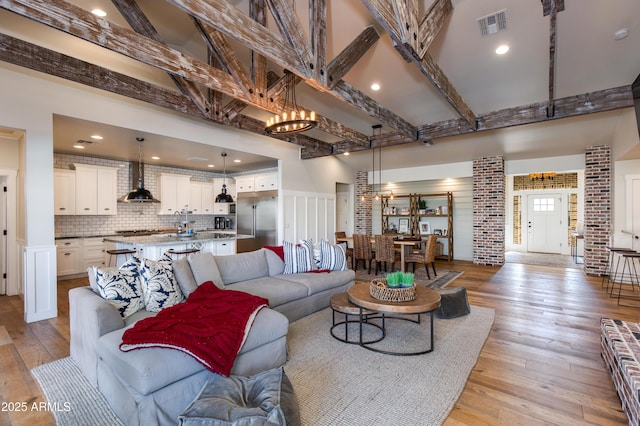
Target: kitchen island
{"points": [[154, 246]]}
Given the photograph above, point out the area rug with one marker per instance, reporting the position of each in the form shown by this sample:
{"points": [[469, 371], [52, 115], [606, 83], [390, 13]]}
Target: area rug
{"points": [[80, 403], [443, 278], [343, 384], [335, 383], [544, 259]]}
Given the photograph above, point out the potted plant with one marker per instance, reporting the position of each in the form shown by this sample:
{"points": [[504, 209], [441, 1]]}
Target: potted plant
{"points": [[422, 206]]}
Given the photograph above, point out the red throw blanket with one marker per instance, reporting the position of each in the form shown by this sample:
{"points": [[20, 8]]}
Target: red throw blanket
{"points": [[211, 325]]}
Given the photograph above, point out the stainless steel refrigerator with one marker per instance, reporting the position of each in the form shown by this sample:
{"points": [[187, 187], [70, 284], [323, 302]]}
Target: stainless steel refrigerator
{"points": [[256, 216]]}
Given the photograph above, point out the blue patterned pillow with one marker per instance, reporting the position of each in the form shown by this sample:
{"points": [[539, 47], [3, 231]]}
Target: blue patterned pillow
{"points": [[159, 287], [332, 257], [121, 288], [297, 258], [132, 264]]}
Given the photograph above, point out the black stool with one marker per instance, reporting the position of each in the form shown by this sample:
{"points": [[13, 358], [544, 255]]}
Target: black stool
{"points": [[119, 252], [453, 302], [609, 269], [179, 253]]}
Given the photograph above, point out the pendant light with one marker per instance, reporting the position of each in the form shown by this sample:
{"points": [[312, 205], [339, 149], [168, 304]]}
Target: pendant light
{"points": [[223, 197], [292, 119], [139, 194]]}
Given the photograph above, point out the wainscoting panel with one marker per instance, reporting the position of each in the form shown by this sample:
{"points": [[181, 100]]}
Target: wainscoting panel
{"points": [[309, 216], [40, 283]]}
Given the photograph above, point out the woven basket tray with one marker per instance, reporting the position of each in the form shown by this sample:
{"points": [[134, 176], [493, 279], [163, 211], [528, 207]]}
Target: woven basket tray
{"points": [[379, 290]]}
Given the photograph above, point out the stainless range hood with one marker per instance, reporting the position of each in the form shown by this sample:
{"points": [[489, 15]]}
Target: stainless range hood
{"points": [[139, 194]]}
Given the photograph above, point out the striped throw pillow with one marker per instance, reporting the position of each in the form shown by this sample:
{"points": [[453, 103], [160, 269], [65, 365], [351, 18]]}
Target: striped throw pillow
{"points": [[332, 257], [297, 258]]}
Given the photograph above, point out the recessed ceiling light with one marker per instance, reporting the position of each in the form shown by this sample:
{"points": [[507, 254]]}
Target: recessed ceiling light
{"points": [[78, 147], [346, 153], [155, 158], [97, 137], [210, 165], [99, 12], [502, 49], [621, 34], [237, 161], [375, 87]]}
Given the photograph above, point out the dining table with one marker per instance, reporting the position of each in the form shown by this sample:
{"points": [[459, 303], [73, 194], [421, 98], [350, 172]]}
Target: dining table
{"points": [[401, 243]]}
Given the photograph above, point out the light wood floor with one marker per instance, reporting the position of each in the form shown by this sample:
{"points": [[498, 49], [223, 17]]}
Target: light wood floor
{"points": [[540, 365]]}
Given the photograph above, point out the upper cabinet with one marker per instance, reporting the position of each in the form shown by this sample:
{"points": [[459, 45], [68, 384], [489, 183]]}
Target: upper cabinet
{"points": [[96, 190], [175, 193], [64, 192], [201, 198], [259, 182]]}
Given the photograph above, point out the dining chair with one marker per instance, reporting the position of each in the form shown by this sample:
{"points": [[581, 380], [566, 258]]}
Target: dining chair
{"points": [[385, 252], [428, 257], [362, 250], [347, 250]]}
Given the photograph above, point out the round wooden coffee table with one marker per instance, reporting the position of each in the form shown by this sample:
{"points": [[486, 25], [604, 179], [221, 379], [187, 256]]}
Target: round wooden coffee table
{"points": [[426, 302]]}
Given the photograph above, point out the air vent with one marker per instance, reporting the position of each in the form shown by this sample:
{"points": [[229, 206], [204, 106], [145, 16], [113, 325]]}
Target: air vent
{"points": [[493, 23], [197, 159]]}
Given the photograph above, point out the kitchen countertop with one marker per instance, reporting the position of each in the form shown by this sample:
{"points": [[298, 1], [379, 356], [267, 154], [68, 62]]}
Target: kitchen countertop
{"points": [[167, 239]]}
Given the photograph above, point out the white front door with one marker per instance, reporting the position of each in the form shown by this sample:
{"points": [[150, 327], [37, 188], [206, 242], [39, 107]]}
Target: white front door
{"points": [[544, 227]]}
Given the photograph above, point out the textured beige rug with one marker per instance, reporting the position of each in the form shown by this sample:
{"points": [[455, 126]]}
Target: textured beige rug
{"points": [[343, 384]]}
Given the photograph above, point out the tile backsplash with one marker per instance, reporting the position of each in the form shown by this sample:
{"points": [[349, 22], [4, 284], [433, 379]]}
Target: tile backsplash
{"points": [[130, 216]]}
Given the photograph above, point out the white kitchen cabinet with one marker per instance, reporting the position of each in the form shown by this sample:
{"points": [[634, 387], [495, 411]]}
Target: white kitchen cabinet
{"points": [[245, 184], [201, 198], [175, 192], [68, 256], [223, 248], [93, 253], [222, 208], [96, 190], [64, 192], [266, 182]]}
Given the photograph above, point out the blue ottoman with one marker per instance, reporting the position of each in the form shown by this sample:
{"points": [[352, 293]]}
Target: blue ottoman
{"points": [[264, 399]]}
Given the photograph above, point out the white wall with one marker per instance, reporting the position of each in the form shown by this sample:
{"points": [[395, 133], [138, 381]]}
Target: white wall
{"points": [[29, 101]]}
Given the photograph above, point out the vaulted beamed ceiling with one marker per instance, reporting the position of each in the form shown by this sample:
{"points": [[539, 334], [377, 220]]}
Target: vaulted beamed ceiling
{"points": [[224, 61]]}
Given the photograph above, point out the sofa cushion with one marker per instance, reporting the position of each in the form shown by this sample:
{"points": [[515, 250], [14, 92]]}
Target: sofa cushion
{"points": [[243, 266], [276, 290], [204, 268], [274, 261], [316, 282], [184, 276], [332, 257], [297, 258], [149, 369], [120, 287], [159, 287]]}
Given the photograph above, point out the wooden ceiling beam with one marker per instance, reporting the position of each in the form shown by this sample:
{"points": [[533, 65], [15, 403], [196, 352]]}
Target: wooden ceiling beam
{"points": [[350, 55], [130, 10], [547, 7], [431, 24], [552, 57], [226, 18], [75, 21], [290, 28], [318, 36], [258, 12]]}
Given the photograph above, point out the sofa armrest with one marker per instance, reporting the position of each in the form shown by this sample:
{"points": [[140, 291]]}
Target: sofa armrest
{"points": [[90, 317]]}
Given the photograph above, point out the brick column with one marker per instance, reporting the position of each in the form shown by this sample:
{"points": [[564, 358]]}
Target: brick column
{"points": [[597, 208], [488, 211], [363, 203]]}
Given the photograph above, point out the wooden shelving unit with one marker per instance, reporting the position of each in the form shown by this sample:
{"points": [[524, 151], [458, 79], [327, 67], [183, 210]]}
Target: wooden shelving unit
{"points": [[403, 215]]}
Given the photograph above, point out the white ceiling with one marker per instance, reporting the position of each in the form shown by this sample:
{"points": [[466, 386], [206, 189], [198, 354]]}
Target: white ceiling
{"points": [[588, 59]]}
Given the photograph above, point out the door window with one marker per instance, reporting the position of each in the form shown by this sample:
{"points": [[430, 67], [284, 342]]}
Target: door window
{"points": [[544, 205]]}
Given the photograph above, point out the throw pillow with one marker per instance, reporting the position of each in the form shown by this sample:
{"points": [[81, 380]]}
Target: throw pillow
{"points": [[297, 258], [159, 287], [314, 249], [332, 257], [166, 257], [279, 250], [121, 288]]}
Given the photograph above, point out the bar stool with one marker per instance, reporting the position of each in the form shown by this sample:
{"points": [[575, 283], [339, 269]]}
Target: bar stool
{"points": [[607, 273], [629, 257], [184, 252], [120, 252]]}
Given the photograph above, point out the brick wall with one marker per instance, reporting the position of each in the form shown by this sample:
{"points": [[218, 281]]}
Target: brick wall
{"points": [[488, 211], [363, 203], [597, 208]]}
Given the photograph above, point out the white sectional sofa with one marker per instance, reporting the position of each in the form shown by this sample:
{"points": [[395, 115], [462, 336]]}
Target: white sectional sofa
{"points": [[154, 385]]}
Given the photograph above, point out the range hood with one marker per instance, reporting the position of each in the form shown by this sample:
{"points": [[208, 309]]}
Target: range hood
{"points": [[138, 194]]}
